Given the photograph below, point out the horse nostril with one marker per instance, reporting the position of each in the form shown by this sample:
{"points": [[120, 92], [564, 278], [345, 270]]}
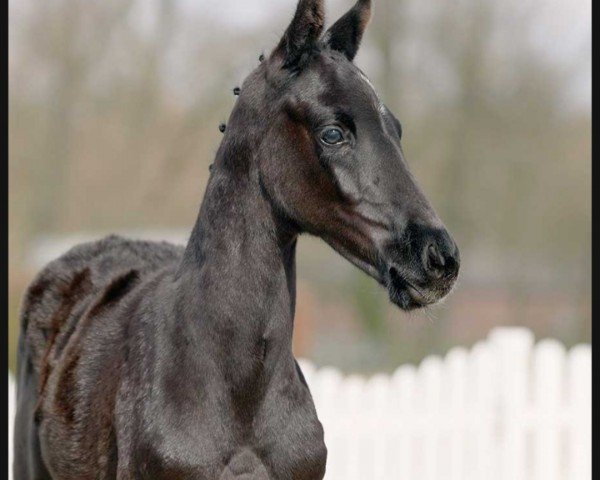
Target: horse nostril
{"points": [[435, 258], [434, 261], [439, 262]]}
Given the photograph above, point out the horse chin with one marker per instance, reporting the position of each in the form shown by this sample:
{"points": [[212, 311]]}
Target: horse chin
{"points": [[407, 298], [405, 293]]}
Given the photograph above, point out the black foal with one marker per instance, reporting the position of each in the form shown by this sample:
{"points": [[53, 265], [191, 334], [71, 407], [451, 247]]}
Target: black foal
{"points": [[145, 360]]}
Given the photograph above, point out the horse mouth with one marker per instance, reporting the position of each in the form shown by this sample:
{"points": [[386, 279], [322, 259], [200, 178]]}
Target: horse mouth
{"points": [[405, 293]]}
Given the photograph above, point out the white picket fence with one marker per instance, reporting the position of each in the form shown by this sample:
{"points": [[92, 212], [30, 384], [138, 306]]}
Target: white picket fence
{"points": [[504, 410]]}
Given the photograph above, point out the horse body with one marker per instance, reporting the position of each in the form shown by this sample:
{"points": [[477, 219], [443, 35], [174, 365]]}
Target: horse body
{"points": [[145, 360]]}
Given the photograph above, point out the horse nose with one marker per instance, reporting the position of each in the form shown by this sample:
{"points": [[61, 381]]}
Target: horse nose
{"points": [[440, 257]]}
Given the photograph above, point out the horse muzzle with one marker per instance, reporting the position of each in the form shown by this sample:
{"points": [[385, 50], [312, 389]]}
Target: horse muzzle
{"points": [[421, 268]]}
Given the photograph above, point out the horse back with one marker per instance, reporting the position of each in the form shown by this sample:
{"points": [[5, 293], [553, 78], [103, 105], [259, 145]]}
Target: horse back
{"points": [[71, 352]]}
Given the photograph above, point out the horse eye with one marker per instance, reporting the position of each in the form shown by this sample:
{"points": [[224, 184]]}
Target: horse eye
{"points": [[332, 136]]}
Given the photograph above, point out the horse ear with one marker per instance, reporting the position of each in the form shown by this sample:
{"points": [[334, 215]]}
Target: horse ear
{"points": [[345, 34], [302, 34]]}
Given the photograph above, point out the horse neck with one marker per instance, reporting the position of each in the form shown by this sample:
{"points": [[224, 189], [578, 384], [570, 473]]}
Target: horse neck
{"points": [[238, 270]]}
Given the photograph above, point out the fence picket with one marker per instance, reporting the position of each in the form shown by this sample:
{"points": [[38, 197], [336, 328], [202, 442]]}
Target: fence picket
{"points": [[548, 371], [375, 405], [403, 389], [456, 390], [513, 348], [579, 387], [431, 397], [354, 427], [482, 428]]}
